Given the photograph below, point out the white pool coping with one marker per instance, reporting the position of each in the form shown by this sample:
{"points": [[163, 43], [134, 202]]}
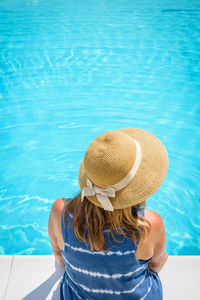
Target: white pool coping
{"points": [[36, 277]]}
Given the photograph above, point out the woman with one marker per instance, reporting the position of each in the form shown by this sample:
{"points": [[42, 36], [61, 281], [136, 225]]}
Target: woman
{"points": [[111, 247]]}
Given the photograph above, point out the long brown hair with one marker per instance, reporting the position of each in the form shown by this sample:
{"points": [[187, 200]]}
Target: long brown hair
{"points": [[89, 222]]}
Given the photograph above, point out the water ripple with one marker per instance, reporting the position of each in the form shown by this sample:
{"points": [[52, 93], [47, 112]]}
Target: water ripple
{"points": [[101, 68]]}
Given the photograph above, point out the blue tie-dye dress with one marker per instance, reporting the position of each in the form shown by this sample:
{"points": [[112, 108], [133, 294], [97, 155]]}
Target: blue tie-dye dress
{"points": [[114, 275]]}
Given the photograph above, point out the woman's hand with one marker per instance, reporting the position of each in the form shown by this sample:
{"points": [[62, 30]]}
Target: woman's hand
{"points": [[157, 267]]}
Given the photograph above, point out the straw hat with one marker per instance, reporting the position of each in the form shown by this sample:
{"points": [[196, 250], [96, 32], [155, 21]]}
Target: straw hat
{"points": [[122, 168]]}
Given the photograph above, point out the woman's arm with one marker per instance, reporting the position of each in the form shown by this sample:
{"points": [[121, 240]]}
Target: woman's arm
{"points": [[159, 240], [55, 231]]}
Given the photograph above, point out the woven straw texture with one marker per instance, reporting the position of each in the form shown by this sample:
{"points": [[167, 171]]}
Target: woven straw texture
{"points": [[111, 156]]}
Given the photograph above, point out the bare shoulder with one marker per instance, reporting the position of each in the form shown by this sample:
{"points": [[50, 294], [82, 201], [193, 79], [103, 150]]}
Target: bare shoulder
{"points": [[155, 220], [157, 238], [56, 213], [152, 216], [54, 226], [58, 206], [146, 245]]}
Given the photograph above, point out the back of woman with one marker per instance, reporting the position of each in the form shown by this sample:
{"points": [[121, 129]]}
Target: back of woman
{"points": [[114, 274], [112, 248]]}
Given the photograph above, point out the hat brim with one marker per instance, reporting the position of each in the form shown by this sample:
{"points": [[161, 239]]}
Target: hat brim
{"points": [[149, 177]]}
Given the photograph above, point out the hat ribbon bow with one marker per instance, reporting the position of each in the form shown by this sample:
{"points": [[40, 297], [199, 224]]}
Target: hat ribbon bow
{"points": [[102, 194]]}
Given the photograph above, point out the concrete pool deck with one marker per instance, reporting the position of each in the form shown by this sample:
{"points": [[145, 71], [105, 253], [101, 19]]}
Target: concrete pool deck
{"points": [[36, 277]]}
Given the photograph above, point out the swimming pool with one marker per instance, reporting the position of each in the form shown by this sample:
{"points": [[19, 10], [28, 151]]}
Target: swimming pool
{"points": [[70, 70]]}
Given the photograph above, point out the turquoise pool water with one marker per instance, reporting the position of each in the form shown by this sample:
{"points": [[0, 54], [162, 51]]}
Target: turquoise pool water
{"points": [[70, 70]]}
